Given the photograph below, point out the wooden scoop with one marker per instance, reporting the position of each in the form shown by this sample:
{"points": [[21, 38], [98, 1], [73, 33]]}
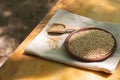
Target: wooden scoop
{"points": [[61, 28]]}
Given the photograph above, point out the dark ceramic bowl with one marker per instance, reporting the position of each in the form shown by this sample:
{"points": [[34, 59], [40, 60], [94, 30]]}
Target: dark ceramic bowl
{"points": [[87, 59]]}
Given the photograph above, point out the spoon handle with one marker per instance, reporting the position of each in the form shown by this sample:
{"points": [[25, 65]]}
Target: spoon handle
{"points": [[71, 29]]}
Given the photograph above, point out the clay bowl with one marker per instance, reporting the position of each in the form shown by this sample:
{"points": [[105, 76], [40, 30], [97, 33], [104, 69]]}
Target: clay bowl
{"points": [[90, 44]]}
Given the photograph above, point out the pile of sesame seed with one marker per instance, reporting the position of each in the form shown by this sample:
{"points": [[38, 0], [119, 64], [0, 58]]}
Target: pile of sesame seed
{"points": [[92, 44]]}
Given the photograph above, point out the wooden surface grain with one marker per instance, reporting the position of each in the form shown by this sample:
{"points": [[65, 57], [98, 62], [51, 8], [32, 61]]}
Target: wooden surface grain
{"points": [[25, 67]]}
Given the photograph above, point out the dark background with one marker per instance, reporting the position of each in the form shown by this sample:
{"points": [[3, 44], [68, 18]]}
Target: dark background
{"points": [[17, 20]]}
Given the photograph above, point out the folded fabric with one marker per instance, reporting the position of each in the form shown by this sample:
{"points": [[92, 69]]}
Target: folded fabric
{"points": [[52, 46]]}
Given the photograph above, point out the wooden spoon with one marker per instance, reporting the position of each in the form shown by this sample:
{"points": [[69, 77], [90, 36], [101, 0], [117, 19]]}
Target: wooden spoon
{"points": [[61, 28]]}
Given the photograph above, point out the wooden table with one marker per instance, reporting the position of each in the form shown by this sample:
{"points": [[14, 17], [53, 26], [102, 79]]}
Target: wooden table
{"points": [[23, 67]]}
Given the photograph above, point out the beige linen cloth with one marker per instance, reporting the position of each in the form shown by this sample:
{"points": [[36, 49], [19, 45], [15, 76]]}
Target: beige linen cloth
{"points": [[52, 47]]}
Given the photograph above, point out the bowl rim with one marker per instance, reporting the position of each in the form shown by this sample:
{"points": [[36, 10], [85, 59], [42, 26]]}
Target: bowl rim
{"points": [[88, 59]]}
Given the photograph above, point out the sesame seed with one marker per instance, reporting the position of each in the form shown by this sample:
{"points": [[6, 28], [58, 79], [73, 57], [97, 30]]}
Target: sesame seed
{"points": [[91, 43]]}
